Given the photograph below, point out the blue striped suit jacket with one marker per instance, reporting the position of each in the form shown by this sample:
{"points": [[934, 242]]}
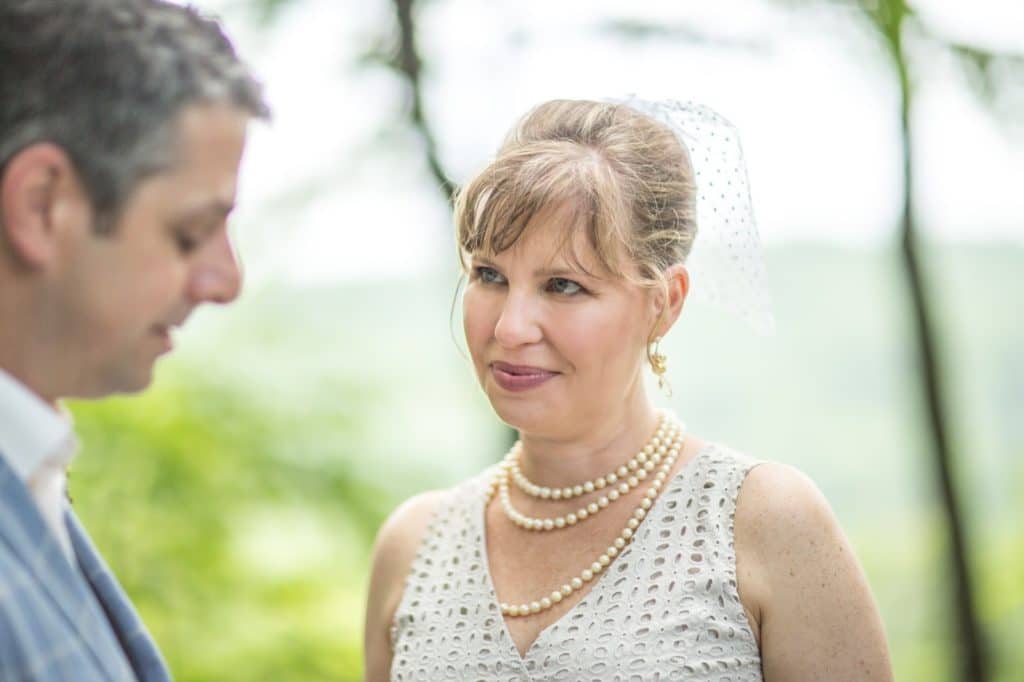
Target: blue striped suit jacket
{"points": [[58, 621]]}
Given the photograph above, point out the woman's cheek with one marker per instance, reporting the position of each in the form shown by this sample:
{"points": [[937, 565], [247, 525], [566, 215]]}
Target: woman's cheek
{"points": [[476, 321]]}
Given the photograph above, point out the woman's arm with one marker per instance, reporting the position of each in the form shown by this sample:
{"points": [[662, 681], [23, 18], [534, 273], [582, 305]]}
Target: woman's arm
{"points": [[802, 584], [393, 553]]}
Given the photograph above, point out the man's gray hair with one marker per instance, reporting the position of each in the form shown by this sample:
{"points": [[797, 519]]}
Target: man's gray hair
{"points": [[105, 80]]}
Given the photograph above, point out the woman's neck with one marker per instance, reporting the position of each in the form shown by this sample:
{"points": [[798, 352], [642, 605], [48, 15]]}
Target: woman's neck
{"points": [[592, 447]]}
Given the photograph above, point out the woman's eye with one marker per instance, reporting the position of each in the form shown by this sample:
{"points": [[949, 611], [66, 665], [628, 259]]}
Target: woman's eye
{"points": [[561, 285], [489, 275]]}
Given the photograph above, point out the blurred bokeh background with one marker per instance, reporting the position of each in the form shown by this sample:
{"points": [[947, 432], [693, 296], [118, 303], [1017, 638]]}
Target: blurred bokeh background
{"points": [[239, 497]]}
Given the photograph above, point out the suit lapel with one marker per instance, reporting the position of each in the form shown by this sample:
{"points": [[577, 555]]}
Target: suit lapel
{"points": [[145, 658], [23, 529]]}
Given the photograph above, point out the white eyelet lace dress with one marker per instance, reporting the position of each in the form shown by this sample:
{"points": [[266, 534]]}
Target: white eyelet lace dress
{"points": [[667, 608]]}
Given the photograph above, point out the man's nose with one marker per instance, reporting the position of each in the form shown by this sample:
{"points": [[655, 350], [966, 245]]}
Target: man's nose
{"points": [[218, 274]]}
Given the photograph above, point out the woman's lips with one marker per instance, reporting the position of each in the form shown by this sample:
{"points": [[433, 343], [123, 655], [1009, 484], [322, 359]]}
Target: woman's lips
{"points": [[519, 377]]}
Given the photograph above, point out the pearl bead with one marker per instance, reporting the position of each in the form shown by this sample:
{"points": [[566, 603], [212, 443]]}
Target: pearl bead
{"points": [[661, 451]]}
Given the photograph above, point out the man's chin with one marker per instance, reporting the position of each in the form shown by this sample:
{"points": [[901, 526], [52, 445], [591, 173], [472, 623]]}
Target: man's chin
{"points": [[123, 381]]}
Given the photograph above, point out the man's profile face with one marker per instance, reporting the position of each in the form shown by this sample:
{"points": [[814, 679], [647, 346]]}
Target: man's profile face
{"points": [[119, 296]]}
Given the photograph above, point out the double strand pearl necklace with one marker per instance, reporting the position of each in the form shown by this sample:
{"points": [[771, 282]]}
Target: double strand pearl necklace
{"points": [[673, 441], [621, 482]]}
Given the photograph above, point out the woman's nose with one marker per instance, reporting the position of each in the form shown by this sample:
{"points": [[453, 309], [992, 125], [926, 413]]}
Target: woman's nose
{"points": [[519, 323]]}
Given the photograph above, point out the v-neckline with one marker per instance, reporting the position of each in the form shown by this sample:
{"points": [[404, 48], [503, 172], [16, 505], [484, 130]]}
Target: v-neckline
{"points": [[481, 518]]}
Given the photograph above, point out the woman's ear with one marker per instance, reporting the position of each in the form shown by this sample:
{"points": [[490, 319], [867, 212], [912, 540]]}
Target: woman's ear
{"points": [[671, 298], [39, 190]]}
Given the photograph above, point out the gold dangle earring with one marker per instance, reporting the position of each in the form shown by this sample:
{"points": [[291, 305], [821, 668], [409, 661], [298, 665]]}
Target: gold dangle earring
{"points": [[659, 365]]}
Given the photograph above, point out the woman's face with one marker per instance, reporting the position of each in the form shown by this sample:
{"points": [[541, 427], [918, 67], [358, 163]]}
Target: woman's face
{"points": [[555, 348]]}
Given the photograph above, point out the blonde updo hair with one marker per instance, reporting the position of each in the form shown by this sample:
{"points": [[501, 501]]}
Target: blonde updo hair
{"points": [[624, 178]]}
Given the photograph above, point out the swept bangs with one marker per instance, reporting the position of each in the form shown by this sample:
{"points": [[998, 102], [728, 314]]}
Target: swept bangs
{"points": [[556, 178]]}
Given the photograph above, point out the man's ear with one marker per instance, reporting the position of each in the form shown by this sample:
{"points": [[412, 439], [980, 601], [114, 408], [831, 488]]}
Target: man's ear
{"points": [[671, 298], [40, 195]]}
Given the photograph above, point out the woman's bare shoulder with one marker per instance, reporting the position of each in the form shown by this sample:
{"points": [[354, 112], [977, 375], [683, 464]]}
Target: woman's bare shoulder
{"points": [[778, 498], [398, 540], [402, 532], [800, 580]]}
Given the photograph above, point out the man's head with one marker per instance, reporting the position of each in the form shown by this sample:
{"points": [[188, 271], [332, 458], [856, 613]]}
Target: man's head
{"points": [[122, 124]]}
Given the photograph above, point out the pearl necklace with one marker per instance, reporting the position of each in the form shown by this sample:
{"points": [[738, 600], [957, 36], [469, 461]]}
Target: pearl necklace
{"points": [[654, 447], [624, 538], [630, 475]]}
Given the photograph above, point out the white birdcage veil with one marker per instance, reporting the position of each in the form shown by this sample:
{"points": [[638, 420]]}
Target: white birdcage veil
{"points": [[726, 263]]}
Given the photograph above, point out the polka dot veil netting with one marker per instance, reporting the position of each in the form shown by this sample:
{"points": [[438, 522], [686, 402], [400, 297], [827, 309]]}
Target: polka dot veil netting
{"points": [[726, 263]]}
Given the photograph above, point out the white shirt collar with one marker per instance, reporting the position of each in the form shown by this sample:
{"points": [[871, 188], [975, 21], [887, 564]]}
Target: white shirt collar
{"points": [[32, 432]]}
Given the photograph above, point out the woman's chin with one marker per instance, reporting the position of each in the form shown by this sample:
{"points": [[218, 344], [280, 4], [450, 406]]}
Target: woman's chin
{"points": [[524, 415]]}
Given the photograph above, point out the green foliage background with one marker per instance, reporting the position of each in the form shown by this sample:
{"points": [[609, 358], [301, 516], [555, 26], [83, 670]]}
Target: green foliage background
{"points": [[237, 499]]}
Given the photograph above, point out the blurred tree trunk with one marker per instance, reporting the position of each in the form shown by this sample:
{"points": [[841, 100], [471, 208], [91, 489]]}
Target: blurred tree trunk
{"points": [[890, 18], [407, 61]]}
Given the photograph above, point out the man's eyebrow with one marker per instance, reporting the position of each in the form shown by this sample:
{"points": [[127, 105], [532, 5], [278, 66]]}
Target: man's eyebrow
{"points": [[214, 209]]}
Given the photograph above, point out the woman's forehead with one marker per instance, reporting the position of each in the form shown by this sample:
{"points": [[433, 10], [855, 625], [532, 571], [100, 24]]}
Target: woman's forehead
{"points": [[552, 243]]}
